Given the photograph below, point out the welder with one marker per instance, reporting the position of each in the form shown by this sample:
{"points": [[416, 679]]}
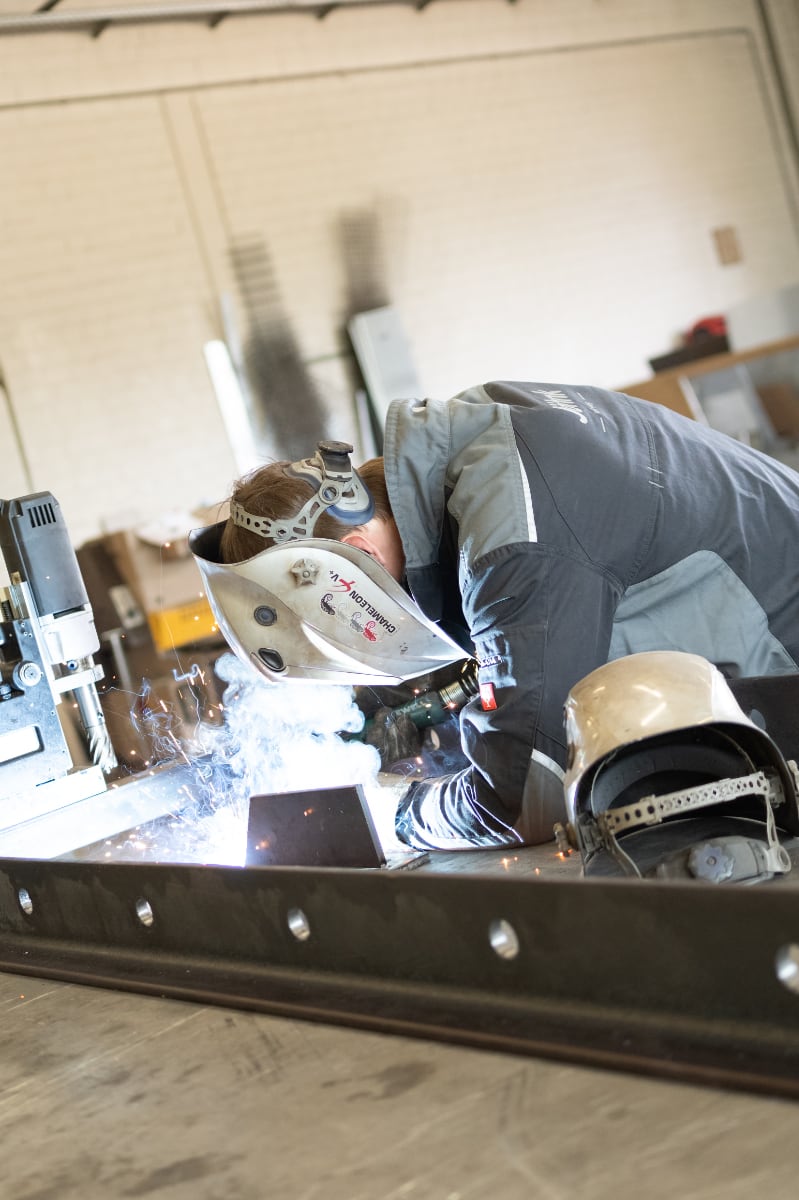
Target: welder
{"points": [[546, 530]]}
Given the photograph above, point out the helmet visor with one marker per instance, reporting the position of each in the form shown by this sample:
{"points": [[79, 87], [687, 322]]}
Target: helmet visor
{"points": [[320, 610]]}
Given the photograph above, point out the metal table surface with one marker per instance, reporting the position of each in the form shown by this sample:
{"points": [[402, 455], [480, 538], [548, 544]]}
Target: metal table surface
{"points": [[107, 1094]]}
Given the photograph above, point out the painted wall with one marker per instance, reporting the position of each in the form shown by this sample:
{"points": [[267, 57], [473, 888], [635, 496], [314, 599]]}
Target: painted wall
{"points": [[534, 187]]}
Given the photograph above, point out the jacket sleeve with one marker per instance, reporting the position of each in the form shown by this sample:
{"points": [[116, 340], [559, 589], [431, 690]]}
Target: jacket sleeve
{"points": [[539, 621]]}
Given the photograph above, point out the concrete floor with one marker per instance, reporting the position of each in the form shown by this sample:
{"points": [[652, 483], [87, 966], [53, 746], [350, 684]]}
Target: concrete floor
{"points": [[105, 1094]]}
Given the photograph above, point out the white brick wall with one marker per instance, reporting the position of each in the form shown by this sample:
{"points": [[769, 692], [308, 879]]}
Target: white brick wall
{"points": [[534, 251], [544, 177], [103, 313]]}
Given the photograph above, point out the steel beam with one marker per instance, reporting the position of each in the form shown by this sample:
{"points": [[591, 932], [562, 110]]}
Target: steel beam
{"points": [[687, 981]]}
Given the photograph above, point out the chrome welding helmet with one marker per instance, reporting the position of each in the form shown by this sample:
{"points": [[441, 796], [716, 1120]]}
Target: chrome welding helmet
{"points": [[313, 608], [667, 777]]}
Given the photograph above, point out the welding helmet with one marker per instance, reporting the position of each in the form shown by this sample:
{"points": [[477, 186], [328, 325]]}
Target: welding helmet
{"points": [[667, 777], [313, 608]]}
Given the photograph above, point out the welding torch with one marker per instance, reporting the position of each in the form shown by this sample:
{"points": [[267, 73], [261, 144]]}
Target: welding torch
{"points": [[434, 706]]}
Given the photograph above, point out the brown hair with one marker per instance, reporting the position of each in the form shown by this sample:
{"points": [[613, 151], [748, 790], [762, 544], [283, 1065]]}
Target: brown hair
{"points": [[270, 492]]}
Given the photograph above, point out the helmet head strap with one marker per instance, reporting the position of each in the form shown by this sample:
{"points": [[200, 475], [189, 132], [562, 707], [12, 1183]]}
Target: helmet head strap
{"points": [[338, 489]]}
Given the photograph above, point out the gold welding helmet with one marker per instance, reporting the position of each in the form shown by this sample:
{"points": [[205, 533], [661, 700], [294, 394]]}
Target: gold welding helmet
{"points": [[668, 778]]}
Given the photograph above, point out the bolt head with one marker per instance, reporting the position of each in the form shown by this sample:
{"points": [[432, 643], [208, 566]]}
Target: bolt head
{"points": [[305, 571]]}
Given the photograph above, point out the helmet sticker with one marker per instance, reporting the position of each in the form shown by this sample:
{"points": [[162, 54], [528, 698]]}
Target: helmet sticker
{"points": [[348, 586], [372, 630]]}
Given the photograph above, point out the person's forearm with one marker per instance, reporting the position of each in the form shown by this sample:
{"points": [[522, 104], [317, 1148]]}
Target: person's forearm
{"points": [[445, 814]]}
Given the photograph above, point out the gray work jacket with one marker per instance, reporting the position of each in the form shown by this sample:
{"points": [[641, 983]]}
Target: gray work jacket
{"points": [[570, 526]]}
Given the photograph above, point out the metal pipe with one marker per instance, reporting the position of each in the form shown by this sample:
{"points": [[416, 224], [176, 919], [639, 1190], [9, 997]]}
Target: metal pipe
{"points": [[780, 83], [97, 19], [13, 420]]}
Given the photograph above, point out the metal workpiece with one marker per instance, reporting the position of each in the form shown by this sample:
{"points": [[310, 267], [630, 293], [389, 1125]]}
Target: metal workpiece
{"points": [[75, 814], [679, 980]]}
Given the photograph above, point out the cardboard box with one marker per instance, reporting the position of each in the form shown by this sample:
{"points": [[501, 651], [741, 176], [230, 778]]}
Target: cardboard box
{"points": [[781, 402], [158, 567], [157, 577]]}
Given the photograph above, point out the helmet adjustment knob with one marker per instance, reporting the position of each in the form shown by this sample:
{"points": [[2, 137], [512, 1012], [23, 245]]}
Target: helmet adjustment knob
{"points": [[304, 571]]}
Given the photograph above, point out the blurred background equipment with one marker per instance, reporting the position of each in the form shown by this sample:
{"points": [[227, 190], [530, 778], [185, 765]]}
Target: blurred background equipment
{"points": [[706, 336], [48, 643], [383, 353], [57, 760], [765, 317]]}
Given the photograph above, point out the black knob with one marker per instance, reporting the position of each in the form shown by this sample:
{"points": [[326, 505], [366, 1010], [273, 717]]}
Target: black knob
{"points": [[272, 659], [335, 455]]}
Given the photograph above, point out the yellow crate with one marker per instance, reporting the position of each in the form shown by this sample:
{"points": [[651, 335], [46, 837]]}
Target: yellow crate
{"points": [[171, 627]]}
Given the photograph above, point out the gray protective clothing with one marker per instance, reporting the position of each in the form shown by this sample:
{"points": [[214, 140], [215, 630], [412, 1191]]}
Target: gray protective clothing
{"points": [[564, 527]]}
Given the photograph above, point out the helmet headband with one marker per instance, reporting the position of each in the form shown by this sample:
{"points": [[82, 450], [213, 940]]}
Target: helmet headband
{"points": [[338, 489]]}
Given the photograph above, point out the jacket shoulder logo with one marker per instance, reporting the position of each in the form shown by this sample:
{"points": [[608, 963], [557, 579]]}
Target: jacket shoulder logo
{"points": [[555, 398]]}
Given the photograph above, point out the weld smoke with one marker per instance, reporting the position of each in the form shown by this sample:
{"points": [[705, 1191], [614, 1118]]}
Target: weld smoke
{"points": [[279, 737]]}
